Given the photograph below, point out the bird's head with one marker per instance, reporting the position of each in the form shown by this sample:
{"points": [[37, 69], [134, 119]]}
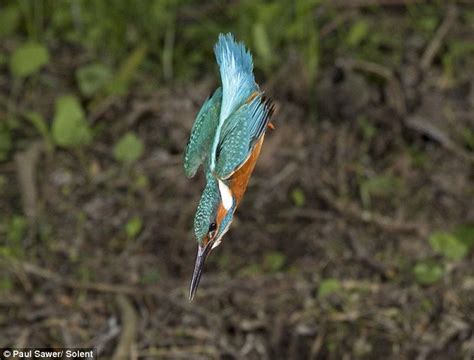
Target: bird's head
{"points": [[213, 217]]}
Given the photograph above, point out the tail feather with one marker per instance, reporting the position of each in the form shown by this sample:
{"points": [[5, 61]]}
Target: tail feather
{"points": [[236, 68]]}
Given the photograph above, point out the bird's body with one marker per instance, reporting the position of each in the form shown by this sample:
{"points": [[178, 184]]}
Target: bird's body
{"points": [[226, 139]]}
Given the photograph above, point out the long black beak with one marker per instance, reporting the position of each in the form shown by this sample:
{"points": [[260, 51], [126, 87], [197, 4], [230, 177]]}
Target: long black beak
{"points": [[203, 252]]}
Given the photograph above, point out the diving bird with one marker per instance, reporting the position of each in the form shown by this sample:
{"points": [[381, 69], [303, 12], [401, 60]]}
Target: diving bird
{"points": [[226, 139]]}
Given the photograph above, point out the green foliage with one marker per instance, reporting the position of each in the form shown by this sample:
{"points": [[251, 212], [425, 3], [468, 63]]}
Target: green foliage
{"points": [[37, 120], [133, 227], [15, 232], [298, 197], [70, 127], [263, 47], [465, 234], [5, 141], [358, 32], [129, 148], [16, 229], [329, 286], [428, 272], [274, 261], [9, 20], [127, 71], [379, 186], [448, 245], [459, 55], [425, 18], [28, 59], [93, 77]]}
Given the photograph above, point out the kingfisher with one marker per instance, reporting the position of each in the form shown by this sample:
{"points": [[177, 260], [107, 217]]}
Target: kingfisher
{"points": [[225, 139]]}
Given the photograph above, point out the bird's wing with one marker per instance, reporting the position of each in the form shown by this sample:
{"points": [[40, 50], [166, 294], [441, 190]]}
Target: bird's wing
{"points": [[202, 134], [238, 83], [240, 133]]}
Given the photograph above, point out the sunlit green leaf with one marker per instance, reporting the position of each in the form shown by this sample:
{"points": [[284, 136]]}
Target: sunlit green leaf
{"points": [[448, 245], [329, 286], [129, 148], [133, 227], [70, 127], [92, 77], [298, 197], [28, 59], [358, 32], [427, 273]]}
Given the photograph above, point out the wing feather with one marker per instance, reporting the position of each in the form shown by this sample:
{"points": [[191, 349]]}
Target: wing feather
{"points": [[202, 134], [240, 133]]}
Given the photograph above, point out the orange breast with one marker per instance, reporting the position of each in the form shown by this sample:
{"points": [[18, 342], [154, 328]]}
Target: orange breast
{"points": [[239, 180]]}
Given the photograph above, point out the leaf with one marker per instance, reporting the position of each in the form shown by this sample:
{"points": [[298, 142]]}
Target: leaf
{"points": [[262, 45], [28, 59], [70, 128], [128, 149], [298, 197], [92, 77], [427, 273], [9, 20], [5, 142], [274, 261], [40, 125], [358, 32], [133, 227], [127, 71], [16, 231], [329, 286], [448, 245]]}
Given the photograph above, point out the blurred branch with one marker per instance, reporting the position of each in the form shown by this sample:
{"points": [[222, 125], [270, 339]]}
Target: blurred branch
{"points": [[437, 41], [35, 270], [424, 128], [128, 334], [26, 163], [351, 210]]}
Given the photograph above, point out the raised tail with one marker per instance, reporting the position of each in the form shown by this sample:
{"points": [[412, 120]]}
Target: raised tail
{"points": [[236, 68]]}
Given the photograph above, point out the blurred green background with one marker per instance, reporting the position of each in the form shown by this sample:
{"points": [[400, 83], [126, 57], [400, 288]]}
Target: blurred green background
{"points": [[356, 237]]}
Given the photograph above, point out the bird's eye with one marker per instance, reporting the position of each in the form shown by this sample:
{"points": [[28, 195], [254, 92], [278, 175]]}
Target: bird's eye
{"points": [[212, 230], [212, 227]]}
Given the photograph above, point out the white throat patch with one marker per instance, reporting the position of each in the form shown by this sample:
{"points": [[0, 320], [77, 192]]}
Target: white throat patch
{"points": [[226, 195]]}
